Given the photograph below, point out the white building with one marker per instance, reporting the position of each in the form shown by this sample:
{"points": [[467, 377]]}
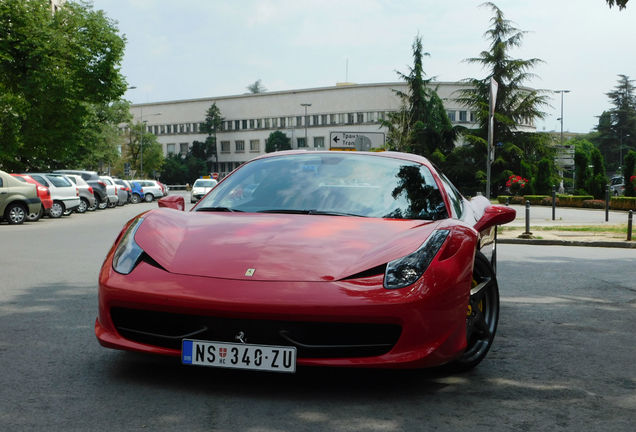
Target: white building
{"points": [[333, 115]]}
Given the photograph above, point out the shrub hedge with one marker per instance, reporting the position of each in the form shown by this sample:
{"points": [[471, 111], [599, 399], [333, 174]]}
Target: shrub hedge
{"points": [[623, 203]]}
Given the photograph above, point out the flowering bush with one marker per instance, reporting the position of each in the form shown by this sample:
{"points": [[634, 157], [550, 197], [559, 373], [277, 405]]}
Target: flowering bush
{"points": [[516, 184]]}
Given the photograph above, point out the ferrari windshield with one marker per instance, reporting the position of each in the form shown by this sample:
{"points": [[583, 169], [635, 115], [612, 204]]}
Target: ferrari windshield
{"points": [[330, 183]]}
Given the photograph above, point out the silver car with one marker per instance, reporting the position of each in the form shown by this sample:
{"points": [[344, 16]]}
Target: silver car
{"points": [[151, 188], [87, 198], [200, 188], [64, 193], [111, 190]]}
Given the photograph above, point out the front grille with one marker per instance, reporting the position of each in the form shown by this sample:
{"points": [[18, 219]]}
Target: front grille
{"points": [[311, 339]]}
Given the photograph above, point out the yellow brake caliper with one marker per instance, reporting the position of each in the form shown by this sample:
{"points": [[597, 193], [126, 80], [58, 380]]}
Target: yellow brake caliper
{"points": [[481, 305]]}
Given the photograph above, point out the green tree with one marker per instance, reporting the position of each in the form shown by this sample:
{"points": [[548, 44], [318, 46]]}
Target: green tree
{"points": [[598, 181], [256, 87], [56, 71], [211, 125], [143, 149], [544, 179], [622, 4], [514, 105], [629, 169], [422, 125], [622, 118], [277, 141]]}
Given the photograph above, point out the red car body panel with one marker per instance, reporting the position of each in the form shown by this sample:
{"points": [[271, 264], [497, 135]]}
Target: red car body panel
{"points": [[430, 312], [43, 192], [281, 247], [310, 268]]}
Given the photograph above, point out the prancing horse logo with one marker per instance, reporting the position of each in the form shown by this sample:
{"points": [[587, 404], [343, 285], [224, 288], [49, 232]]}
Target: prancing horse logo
{"points": [[241, 337]]}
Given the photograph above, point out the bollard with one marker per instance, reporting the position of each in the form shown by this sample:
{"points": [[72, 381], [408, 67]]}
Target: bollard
{"points": [[630, 216], [553, 202], [507, 201], [527, 217], [607, 203]]}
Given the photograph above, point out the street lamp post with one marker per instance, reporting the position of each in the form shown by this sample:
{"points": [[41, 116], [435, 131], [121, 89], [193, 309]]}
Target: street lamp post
{"points": [[306, 105], [561, 119]]}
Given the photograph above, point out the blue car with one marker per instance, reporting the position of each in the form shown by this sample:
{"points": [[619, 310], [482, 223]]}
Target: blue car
{"points": [[137, 192]]}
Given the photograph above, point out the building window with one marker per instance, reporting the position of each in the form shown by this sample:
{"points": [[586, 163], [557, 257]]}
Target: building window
{"points": [[332, 118], [183, 149], [360, 117], [472, 117], [301, 142], [341, 118], [252, 125], [239, 145], [451, 115], [259, 123], [254, 145], [381, 115], [171, 148], [282, 122], [225, 146], [237, 124], [316, 120], [350, 118], [243, 124], [462, 116], [323, 119], [267, 123], [299, 121], [319, 142]]}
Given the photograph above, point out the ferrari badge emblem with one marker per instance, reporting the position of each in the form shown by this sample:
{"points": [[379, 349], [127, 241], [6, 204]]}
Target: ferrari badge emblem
{"points": [[250, 272]]}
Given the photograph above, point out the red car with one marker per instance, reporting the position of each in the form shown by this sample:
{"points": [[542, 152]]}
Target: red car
{"points": [[43, 193], [310, 258]]}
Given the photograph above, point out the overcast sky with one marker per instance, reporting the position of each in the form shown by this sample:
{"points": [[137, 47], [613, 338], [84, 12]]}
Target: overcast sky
{"points": [[205, 48]]}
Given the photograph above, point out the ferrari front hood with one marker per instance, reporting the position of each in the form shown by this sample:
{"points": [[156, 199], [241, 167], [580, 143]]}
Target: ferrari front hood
{"points": [[275, 247]]}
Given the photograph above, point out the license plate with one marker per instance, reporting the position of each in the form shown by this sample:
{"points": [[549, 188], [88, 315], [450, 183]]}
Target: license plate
{"points": [[239, 356]]}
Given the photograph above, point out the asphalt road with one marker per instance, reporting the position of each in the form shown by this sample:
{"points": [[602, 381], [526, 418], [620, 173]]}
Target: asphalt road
{"points": [[564, 357]]}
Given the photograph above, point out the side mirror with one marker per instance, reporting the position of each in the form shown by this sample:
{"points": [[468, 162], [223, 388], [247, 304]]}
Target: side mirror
{"points": [[495, 215], [175, 202]]}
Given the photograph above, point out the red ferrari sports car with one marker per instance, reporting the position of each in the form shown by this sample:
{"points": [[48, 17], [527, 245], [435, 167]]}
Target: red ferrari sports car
{"points": [[310, 258]]}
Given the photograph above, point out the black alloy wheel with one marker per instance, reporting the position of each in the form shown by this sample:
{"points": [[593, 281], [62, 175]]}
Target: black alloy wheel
{"points": [[482, 315], [15, 213]]}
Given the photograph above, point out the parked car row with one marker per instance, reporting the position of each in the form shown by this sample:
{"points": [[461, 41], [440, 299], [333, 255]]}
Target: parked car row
{"points": [[29, 196]]}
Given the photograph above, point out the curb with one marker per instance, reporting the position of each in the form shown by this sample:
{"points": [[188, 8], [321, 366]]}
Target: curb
{"points": [[544, 242]]}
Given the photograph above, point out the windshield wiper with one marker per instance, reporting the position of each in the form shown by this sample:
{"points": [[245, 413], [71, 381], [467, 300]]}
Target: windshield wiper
{"points": [[218, 209], [285, 211], [309, 212]]}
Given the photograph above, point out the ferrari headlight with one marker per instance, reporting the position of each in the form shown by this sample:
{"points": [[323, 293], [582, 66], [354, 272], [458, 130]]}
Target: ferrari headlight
{"points": [[406, 270], [128, 251]]}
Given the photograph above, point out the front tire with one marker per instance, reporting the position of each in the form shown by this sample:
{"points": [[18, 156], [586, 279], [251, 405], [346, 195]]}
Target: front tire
{"points": [[482, 315], [135, 198], [15, 213]]}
